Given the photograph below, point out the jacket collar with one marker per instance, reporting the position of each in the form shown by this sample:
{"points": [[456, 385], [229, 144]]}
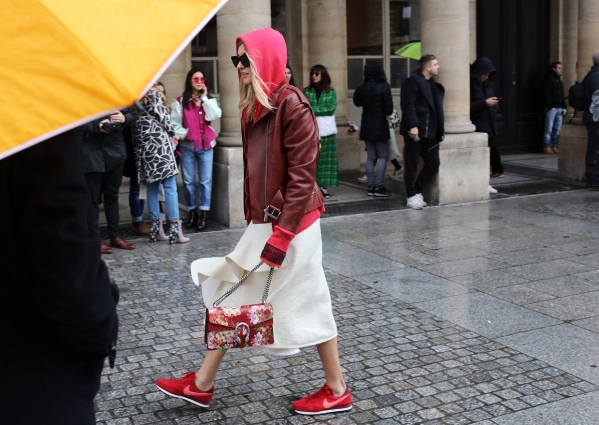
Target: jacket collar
{"points": [[273, 101], [424, 87]]}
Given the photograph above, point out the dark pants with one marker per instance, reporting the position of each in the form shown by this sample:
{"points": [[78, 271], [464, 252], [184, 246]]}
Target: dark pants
{"points": [[592, 157], [376, 162], [413, 151], [496, 166], [136, 205], [106, 184], [41, 389]]}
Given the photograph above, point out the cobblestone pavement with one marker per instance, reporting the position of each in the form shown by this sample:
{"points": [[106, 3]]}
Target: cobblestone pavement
{"points": [[473, 314]]}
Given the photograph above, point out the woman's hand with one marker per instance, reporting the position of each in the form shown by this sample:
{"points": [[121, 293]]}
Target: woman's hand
{"points": [[117, 117], [175, 140], [203, 90]]}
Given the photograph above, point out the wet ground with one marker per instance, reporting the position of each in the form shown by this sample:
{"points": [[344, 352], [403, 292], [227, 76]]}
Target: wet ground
{"points": [[483, 313]]}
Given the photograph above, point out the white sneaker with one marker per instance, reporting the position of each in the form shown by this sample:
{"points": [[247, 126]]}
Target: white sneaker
{"points": [[396, 174], [424, 204], [414, 203], [363, 179], [492, 189]]}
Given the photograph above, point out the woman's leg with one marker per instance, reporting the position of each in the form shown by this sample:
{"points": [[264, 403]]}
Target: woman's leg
{"points": [[188, 163], [329, 356], [171, 198], [382, 153], [206, 375], [205, 161], [152, 193], [371, 158]]}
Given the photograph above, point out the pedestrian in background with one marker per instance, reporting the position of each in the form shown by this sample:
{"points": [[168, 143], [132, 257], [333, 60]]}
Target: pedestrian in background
{"points": [[192, 115], [483, 109], [156, 165], [423, 127], [555, 107], [105, 153], [374, 96], [58, 319], [323, 99], [591, 86], [280, 145], [289, 75]]}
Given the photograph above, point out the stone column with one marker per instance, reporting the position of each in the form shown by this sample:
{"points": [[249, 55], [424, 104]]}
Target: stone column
{"points": [[569, 42], [327, 40], [472, 30], [235, 18], [464, 172], [588, 30]]}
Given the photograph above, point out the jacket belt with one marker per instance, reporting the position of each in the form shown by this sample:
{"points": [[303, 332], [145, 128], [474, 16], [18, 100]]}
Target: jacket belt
{"points": [[273, 210]]}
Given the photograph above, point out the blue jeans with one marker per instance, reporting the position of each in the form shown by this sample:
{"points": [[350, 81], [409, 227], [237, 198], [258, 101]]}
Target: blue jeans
{"points": [[553, 125], [190, 157], [171, 199], [136, 205]]}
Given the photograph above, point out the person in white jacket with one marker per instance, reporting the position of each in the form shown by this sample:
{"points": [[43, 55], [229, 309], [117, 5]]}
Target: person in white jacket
{"points": [[191, 115]]}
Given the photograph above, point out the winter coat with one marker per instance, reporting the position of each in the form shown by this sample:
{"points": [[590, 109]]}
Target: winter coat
{"points": [[422, 108], [554, 91], [374, 96], [482, 115], [104, 151], [153, 134], [591, 85]]}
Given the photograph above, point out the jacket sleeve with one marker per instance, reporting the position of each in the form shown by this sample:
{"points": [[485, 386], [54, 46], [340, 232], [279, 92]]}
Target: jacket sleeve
{"points": [[177, 119], [211, 108], [93, 127], [129, 117], [478, 106], [300, 140], [409, 91], [358, 101], [70, 282], [387, 100], [327, 104]]}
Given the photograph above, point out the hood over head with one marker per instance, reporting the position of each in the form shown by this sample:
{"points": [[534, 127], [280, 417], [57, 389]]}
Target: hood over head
{"points": [[481, 66], [373, 71], [268, 50]]}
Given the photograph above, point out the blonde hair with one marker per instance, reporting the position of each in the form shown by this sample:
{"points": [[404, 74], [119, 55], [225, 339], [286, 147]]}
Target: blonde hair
{"points": [[163, 94], [251, 92]]}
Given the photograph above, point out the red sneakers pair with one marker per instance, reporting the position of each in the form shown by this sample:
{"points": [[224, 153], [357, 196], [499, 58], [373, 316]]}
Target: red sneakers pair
{"points": [[322, 401], [185, 388]]}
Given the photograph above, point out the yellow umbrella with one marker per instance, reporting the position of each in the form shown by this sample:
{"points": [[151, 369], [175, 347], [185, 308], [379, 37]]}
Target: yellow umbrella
{"points": [[65, 62]]}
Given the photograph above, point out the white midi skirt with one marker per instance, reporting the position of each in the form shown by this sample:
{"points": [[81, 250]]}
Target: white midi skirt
{"points": [[299, 291]]}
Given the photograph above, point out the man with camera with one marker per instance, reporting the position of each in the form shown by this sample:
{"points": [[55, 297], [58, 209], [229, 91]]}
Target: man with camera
{"points": [[105, 154]]}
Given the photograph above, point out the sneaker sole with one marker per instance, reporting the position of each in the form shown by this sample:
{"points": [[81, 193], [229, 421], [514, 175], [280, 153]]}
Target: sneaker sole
{"points": [[382, 196], [322, 412], [197, 403]]}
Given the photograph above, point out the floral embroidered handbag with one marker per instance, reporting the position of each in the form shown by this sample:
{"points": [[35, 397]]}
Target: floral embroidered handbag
{"points": [[241, 326]]}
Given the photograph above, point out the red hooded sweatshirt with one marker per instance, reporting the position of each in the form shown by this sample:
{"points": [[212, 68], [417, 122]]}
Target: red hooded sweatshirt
{"points": [[268, 51]]}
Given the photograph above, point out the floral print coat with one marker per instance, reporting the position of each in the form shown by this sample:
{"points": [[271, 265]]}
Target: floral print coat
{"points": [[153, 132]]}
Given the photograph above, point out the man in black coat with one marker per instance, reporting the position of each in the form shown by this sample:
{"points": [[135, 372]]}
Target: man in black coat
{"points": [[422, 126], [58, 319], [105, 153], [483, 109], [591, 85], [555, 108], [374, 96]]}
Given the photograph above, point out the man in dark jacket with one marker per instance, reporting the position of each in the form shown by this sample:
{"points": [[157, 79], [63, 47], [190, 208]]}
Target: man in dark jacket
{"points": [[591, 85], [374, 96], [58, 319], [483, 109], [422, 126], [555, 108], [105, 153]]}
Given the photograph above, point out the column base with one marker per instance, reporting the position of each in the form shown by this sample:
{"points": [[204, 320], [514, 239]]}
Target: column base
{"points": [[227, 186], [464, 172], [573, 142]]}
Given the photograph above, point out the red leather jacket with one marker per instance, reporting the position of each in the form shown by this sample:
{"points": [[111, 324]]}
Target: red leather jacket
{"points": [[280, 154]]}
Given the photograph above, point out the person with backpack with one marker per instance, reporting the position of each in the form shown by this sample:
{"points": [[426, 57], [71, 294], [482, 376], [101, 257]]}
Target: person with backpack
{"points": [[555, 108], [591, 86]]}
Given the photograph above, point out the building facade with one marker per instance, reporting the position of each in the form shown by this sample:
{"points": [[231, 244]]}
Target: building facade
{"points": [[521, 38]]}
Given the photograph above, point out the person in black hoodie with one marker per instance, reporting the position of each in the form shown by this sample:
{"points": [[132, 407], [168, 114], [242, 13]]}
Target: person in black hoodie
{"points": [[591, 86], [374, 96], [555, 108], [422, 126], [483, 108]]}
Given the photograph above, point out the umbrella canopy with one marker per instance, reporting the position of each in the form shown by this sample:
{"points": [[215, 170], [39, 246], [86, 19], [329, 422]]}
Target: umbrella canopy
{"points": [[65, 62], [411, 51]]}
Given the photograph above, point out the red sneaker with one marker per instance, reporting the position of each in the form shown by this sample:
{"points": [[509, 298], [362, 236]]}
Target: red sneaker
{"points": [[323, 401], [186, 389]]}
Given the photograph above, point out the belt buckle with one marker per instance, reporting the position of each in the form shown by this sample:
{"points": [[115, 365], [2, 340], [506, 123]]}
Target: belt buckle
{"points": [[272, 212]]}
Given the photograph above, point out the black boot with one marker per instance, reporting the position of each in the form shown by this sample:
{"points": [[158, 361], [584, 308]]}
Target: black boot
{"points": [[202, 220], [192, 220]]}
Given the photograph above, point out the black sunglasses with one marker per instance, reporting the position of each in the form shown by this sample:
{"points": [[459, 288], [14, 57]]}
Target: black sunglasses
{"points": [[314, 73], [245, 61]]}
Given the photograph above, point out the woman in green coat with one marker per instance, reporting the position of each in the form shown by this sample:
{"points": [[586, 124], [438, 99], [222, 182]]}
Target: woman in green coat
{"points": [[323, 99]]}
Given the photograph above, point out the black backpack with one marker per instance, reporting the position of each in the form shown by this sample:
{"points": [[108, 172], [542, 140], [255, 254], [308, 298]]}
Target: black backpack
{"points": [[576, 98]]}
